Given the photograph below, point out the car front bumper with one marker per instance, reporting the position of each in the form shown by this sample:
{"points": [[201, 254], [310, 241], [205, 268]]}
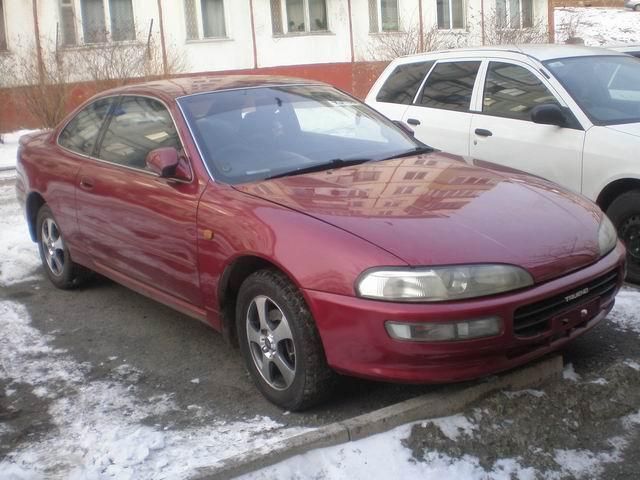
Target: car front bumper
{"points": [[356, 341]]}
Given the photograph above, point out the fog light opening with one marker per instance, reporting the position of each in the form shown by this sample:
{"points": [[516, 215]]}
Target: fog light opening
{"points": [[445, 332]]}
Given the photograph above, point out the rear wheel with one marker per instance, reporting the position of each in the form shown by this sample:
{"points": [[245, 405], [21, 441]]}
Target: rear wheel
{"points": [[624, 212], [280, 343], [56, 260]]}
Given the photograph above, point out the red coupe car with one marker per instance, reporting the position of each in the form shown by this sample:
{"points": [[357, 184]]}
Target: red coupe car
{"points": [[315, 233]]}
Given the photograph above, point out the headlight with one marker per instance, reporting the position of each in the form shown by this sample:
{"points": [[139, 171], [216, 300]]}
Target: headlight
{"points": [[438, 284], [607, 236]]}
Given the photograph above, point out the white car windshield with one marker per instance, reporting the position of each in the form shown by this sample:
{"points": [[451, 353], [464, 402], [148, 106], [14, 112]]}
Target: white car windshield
{"points": [[607, 88], [258, 133]]}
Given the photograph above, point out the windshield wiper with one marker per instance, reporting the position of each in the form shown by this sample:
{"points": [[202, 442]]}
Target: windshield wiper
{"points": [[413, 151], [318, 167]]}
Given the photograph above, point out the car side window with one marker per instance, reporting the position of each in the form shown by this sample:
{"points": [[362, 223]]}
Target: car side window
{"points": [[403, 83], [137, 126], [450, 86], [82, 131], [511, 91]]}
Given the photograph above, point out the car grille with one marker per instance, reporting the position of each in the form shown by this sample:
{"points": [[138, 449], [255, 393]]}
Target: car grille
{"points": [[533, 319]]}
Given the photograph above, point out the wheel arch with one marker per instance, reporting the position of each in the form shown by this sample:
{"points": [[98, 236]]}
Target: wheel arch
{"points": [[614, 189], [33, 204], [232, 277]]}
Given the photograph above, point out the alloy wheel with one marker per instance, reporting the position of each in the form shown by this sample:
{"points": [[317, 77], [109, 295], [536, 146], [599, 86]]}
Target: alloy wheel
{"points": [[271, 342], [52, 246]]}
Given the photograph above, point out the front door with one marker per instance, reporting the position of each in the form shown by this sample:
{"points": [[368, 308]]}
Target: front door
{"points": [[504, 133], [135, 223]]}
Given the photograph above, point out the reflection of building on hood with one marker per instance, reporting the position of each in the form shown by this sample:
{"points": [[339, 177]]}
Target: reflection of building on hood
{"points": [[433, 186]]}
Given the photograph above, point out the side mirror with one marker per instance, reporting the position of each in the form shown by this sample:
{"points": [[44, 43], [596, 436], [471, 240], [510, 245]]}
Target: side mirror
{"points": [[166, 162], [549, 114], [404, 127]]}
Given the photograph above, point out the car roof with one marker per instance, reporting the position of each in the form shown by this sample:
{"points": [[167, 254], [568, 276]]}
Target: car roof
{"points": [[195, 84], [540, 51]]}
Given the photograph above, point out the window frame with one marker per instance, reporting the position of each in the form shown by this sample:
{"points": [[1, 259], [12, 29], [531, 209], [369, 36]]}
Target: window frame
{"points": [[380, 29], [515, 64], [507, 20], [464, 9], [5, 38], [105, 124], [78, 23], [200, 23], [307, 20], [480, 76]]}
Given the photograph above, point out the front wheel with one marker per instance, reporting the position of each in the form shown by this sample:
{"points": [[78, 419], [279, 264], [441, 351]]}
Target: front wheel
{"points": [[56, 260], [624, 212], [280, 343]]}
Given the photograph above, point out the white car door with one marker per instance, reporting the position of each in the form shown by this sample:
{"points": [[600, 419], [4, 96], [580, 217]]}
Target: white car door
{"points": [[504, 133], [440, 114]]}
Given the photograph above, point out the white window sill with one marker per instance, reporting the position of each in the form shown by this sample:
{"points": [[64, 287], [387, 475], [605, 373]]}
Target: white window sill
{"points": [[196, 41], [453, 30], [387, 32], [91, 46], [322, 33]]}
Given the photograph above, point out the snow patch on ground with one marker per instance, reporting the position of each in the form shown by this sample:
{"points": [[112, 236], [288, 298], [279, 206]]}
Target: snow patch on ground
{"points": [[625, 314], [20, 258], [569, 373], [9, 148], [99, 431], [452, 427], [598, 26], [529, 391], [382, 457]]}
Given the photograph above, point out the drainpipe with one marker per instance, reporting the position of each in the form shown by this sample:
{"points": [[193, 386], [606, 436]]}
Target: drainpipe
{"points": [[482, 20], [551, 21], [253, 36], [163, 46], [421, 40], [36, 29], [353, 56]]}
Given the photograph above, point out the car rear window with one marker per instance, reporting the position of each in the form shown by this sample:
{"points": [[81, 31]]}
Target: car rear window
{"points": [[403, 83]]}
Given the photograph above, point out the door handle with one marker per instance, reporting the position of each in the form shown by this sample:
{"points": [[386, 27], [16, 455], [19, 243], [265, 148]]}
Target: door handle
{"points": [[413, 121], [483, 133], [86, 183]]}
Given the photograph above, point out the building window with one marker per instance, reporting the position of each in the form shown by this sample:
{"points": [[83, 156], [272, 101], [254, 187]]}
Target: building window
{"points": [[514, 13], [67, 23], [298, 16], [205, 19], [383, 16], [451, 14], [3, 34], [94, 20]]}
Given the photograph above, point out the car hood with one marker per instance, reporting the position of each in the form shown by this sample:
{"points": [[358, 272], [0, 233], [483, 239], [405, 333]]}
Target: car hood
{"points": [[628, 128], [436, 210]]}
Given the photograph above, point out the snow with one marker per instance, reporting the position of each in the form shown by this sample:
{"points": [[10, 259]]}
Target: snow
{"points": [[529, 391], [9, 148], [569, 373], [20, 259], [598, 26], [99, 431], [625, 313], [451, 427]]}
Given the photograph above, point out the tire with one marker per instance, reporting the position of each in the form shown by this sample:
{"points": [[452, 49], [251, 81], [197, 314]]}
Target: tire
{"points": [[624, 212], [281, 348], [54, 253]]}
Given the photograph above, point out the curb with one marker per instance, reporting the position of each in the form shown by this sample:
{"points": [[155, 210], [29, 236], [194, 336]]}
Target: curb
{"points": [[430, 405]]}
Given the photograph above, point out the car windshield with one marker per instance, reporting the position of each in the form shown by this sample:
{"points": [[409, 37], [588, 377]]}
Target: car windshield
{"points": [[607, 88], [257, 133]]}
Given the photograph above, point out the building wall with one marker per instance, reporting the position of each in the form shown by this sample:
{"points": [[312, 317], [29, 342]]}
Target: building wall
{"points": [[326, 56]]}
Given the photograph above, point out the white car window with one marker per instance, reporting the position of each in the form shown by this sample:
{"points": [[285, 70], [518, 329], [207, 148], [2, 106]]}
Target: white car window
{"points": [[512, 91]]}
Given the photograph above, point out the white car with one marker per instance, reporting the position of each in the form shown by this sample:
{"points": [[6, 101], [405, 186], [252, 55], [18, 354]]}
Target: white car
{"points": [[570, 114]]}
